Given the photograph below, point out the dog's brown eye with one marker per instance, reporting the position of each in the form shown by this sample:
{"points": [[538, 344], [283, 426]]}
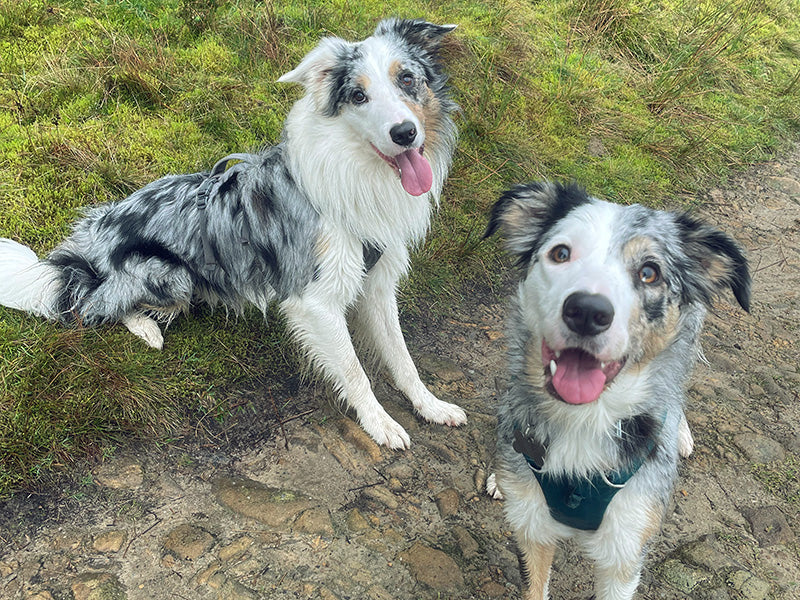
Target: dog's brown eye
{"points": [[359, 97], [649, 274], [407, 79], [560, 254]]}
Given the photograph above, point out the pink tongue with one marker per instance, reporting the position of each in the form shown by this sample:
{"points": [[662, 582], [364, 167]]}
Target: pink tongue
{"points": [[416, 175], [578, 379]]}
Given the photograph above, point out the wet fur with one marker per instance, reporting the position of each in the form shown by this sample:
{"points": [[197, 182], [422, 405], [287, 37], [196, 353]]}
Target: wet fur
{"points": [[318, 223], [655, 326]]}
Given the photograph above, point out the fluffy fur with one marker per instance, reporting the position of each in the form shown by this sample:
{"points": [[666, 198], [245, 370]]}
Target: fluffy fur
{"points": [[603, 336], [321, 223]]}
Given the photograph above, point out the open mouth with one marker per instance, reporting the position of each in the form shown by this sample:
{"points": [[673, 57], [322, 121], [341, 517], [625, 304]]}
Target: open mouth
{"points": [[576, 376], [413, 169]]}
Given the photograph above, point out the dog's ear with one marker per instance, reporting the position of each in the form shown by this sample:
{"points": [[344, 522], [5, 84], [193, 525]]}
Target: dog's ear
{"points": [[416, 32], [526, 212], [315, 67], [718, 262]]}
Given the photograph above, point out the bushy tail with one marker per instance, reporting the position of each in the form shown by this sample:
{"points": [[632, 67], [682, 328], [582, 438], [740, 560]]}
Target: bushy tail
{"points": [[26, 283]]}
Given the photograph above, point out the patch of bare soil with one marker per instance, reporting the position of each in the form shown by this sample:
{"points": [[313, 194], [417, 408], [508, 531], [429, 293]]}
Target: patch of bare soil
{"points": [[316, 510]]}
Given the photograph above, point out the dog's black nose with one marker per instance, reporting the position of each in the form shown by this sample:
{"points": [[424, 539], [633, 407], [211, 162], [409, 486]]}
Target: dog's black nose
{"points": [[587, 314], [403, 134]]}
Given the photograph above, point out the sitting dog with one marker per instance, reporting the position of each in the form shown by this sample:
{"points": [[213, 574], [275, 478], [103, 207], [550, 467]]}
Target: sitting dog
{"points": [[603, 336], [321, 223]]}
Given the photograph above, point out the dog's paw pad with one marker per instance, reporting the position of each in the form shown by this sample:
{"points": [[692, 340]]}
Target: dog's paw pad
{"points": [[492, 489]]}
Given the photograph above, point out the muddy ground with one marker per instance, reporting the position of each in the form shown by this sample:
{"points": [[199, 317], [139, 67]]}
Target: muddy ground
{"points": [[318, 511]]}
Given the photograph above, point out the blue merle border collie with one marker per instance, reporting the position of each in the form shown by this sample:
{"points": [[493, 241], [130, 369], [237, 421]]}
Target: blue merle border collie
{"points": [[603, 336], [321, 223]]}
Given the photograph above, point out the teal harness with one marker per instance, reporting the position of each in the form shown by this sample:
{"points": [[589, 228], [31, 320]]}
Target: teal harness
{"points": [[578, 502]]}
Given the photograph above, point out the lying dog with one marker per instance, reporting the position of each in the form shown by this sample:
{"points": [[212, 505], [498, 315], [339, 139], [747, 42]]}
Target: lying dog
{"points": [[321, 223], [603, 337]]}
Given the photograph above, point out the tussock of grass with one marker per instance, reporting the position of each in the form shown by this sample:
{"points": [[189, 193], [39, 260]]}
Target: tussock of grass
{"points": [[639, 100]]}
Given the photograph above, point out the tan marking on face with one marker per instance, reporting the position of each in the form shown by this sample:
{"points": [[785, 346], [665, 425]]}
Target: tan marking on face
{"points": [[394, 70], [635, 248], [534, 371], [655, 341], [363, 82]]}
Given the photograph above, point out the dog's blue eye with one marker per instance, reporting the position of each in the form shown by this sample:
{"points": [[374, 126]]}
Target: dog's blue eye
{"points": [[359, 97], [407, 79], [559, 254], [649, 274]]}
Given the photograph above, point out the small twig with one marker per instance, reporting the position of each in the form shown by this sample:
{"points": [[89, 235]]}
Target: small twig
{"points": [[365, 486], [278, 416], [299, 415]]}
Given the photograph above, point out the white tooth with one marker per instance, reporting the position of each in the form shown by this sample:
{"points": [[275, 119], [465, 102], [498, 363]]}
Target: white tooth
{"points": [[558, 354], [553, 368], [602, 365]]}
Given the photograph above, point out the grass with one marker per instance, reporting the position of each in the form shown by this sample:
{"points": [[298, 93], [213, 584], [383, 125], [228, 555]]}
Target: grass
{"points": [[642, 101]]}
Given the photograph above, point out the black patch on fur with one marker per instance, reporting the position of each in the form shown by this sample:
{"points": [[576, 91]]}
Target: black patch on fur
{"points": [[76, 273], [654, 310], [342, 85], [636, 435], [701, 244], [229, 184], [144, 248], [561, 200], [372, 254]]}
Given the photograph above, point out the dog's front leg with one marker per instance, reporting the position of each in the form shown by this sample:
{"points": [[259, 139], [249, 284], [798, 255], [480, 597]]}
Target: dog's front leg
{"points": [[377, 321], [535, 561], [322, 331]]}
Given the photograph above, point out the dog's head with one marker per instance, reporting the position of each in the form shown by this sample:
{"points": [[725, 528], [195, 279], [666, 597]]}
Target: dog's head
{"points": [[606, 285], [390, 88]]}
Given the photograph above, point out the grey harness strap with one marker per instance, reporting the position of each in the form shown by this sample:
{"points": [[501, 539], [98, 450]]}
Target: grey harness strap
{"points": [[201, 201]]}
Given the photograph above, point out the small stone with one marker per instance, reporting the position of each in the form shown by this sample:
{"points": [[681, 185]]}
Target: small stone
{"points": [[206, 574], [188, 542], [316, 521], [748, 585], [122, 473], [466, 543], [759, 448], [356, 522], [448, 502], [378, 593], [492, 589], [43, 595], [272, 506], [354, 434], [236, 549], [233, 590], [682, 577], [401, 470], [440, 367], [110, 541], [787, 185], [769, 526], [595, 147], [382, 495], [395, 484], [98, 586], [433, 568]]}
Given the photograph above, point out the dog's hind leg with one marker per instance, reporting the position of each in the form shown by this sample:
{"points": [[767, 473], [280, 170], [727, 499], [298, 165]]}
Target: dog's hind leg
{"points": [[322, 331], [378, 322], [146, 328]]}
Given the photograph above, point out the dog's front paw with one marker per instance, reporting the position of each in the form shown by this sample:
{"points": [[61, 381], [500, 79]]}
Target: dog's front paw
{"points": [[386, 431], [685, 439], [492, 489], [437, 411]]}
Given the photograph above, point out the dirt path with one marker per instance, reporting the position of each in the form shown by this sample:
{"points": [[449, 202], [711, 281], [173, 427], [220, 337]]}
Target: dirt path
{"points": [[332, 516]]}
